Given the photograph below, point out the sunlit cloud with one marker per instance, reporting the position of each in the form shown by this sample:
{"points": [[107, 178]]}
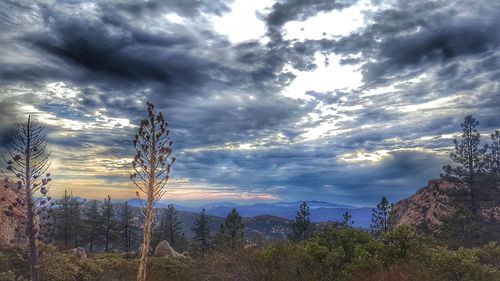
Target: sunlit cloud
{"points": [[341, 101]]}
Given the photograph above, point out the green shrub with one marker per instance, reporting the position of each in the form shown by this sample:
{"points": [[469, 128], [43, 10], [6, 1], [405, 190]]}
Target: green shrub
{"points": [[13, 260], [462, 265], [331, 255]]}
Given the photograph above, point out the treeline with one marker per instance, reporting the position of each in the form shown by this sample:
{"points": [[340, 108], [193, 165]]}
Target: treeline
{"points": [[104, 226], [95, 225]]}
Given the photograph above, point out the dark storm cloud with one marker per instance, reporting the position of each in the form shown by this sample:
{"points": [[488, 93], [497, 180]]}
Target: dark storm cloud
{"points": [[110, 57], [300, 10], [408, 38], [120, 51], [8, 117], [221, 97], [187, 8]]}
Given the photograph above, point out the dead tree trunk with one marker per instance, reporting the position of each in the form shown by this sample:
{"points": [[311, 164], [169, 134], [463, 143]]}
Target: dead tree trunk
{"points": [[31, 232]]}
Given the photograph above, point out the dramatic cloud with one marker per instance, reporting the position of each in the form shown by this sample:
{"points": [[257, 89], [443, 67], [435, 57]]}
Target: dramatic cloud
{"points": [[343, 101]]}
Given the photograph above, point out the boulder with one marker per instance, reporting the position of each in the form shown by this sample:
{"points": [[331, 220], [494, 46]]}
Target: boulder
{"points": [[79, 253], [163, 249]]}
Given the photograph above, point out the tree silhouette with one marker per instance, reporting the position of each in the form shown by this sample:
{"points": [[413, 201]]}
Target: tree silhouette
{"points": [[202, 232], [28, 161], [151, 168], [109, 222], [221, 239], [234, 229], [346, 216], [171, 225], [469, 157], [302, 226], [66, 220], [128, 226], [493, 157], [93, 221], [380, 216]]}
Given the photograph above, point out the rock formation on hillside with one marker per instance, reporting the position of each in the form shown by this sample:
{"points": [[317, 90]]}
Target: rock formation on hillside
{"points": [[163, 249], [429, 205], [11, 226]]}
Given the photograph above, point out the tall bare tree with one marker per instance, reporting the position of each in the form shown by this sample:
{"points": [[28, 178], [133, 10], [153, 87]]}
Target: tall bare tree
{"points": [[27, 162], [151, 169]]}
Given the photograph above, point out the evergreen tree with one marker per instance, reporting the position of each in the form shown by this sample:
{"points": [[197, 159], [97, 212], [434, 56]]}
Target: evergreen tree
{"points": [[109, 222], [93, 222], [234, 229], [493, 157], [182, 243], [75, 210], [469, 157], [302, 226], [66, 220], [347, 219], [172, 225], [380, 216], [62, 216], [221, 239], [127, 227], [202, 232]]}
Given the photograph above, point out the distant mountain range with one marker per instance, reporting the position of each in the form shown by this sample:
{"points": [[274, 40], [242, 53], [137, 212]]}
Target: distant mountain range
{"points": [[320, 211]]}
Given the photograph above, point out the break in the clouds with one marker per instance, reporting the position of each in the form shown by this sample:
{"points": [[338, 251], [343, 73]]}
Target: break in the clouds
{"points": [[343, 101]]}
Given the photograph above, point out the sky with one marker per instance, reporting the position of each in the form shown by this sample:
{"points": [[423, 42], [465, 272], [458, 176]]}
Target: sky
{"points": [[341, 101]]}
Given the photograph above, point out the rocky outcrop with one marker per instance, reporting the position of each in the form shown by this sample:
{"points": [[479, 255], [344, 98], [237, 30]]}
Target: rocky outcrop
{"points": [[11, 221], [429, 205], [163, 249]]}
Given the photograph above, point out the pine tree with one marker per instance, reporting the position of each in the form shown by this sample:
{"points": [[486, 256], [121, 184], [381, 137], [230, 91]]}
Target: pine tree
{"points": [[302, 226], [28, 162], [172, 225], [128, 227], [234, 229], [93, 221], [493, 157], [221, 239], [202, 232], [62, 229], [109, 222], [469, 157], [68, 217], [380, 216], [346, 222], [152, 164], [76, 220]]}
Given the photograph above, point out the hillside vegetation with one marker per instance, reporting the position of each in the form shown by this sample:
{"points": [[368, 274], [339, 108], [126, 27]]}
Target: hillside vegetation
{"points": [[330, 254]]}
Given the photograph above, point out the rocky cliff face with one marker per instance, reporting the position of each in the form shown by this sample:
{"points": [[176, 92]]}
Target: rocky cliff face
{"points": [[429, 205], [11, 226]]}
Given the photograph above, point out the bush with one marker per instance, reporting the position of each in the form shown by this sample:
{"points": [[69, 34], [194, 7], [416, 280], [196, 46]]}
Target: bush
{"points": [[462, 264], [402, 254], [13, 261]]}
